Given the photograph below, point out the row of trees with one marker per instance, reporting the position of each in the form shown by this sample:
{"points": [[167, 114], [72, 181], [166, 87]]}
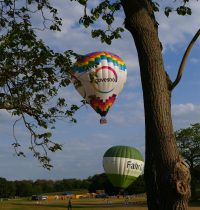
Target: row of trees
{"points": [[100, 181], [24, 188]]}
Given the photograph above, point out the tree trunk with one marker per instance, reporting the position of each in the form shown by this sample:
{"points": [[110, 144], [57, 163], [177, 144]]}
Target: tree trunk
{"points": [[193, 182], [166, 175]]}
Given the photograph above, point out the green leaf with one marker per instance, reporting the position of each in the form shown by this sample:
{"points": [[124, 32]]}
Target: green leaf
{"points": [[168, 10], [183, 10]]}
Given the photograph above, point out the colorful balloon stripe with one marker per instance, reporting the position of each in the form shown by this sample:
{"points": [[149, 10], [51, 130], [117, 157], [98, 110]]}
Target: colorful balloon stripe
{"points": [[96, 57], [103, 55], [100, 106], [100, 78]]}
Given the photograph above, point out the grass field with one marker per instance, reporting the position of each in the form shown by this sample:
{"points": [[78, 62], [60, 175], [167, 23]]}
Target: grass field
{"points": [[77, 204]]}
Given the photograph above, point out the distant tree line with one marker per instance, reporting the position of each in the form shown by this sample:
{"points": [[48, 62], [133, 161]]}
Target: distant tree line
{"points": [[101, 182], [24, 188]]}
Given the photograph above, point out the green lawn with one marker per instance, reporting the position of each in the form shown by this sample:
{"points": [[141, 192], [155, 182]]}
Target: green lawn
{"points": [[78, 204]]}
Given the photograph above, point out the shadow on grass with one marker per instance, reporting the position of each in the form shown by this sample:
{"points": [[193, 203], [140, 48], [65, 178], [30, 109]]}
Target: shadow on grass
{"points": [[86, 205], [194, 203]]}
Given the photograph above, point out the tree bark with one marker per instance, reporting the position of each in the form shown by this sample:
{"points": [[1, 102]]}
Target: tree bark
{"points": [[167, 176], [193, 183]]}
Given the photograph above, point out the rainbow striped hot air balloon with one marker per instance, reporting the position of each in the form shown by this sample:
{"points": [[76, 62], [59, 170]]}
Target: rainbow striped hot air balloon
{"points": [[99, 77], [122, 165]]}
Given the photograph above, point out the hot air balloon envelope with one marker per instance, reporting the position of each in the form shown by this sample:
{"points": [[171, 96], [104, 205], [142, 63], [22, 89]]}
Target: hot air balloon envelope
{"points": [[122, 164], [99, 77]]}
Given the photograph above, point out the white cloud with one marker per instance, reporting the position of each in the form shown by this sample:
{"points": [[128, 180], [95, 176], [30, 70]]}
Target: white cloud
{"points": [[195, 60], [185, 114], [173, 30], [180, 109]]}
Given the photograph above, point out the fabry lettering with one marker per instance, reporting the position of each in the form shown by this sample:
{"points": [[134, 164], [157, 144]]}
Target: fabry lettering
{"points": [[134, 165]]}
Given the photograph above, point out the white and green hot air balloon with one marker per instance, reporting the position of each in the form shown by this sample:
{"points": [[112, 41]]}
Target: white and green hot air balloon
{"points": [[122, 165]]}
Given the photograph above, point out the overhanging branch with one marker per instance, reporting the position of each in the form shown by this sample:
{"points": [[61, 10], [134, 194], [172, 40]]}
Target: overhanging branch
{"points": [[184, 59]]}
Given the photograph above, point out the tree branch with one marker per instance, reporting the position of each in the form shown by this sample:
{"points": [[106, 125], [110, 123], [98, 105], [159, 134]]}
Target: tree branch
{"points": [[184, 59]]}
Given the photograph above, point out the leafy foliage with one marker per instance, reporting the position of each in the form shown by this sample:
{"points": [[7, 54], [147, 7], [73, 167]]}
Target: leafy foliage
{"points": [[107, 11], [31, 74], [188, 141], [101, 182]]}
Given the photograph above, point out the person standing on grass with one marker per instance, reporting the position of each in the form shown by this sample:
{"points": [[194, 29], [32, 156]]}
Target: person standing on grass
{"points": [[69, 206]]}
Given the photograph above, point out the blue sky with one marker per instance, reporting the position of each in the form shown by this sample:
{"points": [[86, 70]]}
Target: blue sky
{"points": [[84, 143]]}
